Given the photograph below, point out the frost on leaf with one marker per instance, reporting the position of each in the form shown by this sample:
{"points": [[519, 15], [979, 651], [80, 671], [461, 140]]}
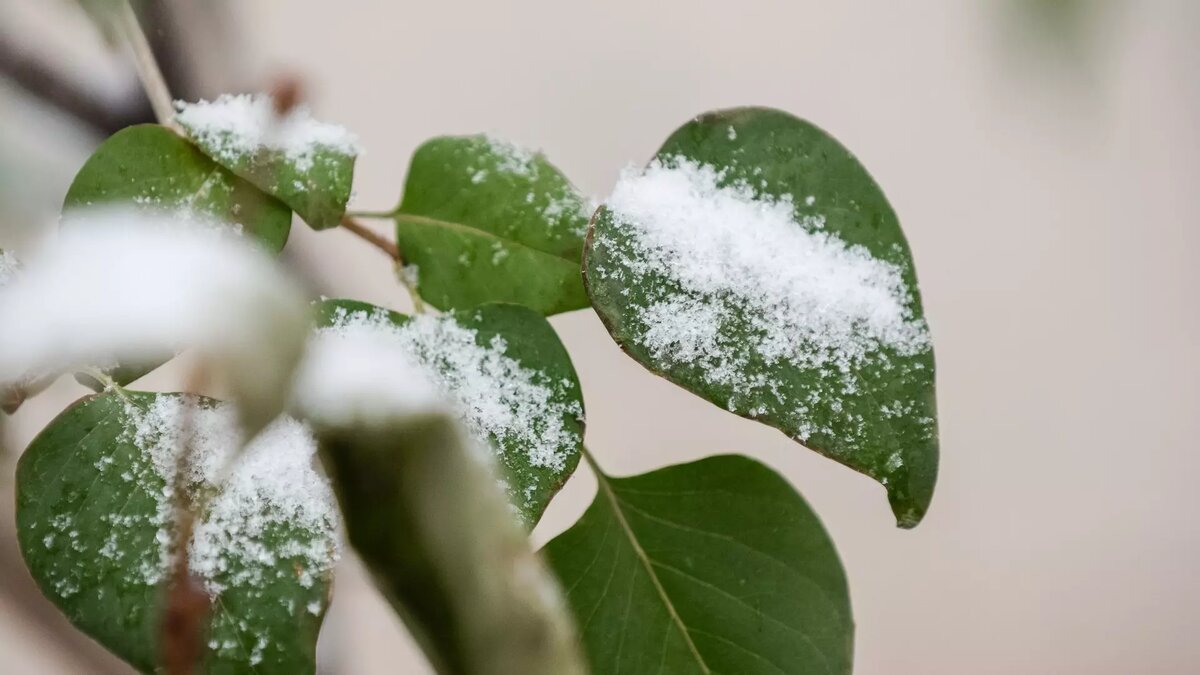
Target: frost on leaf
{"points": [[756, 263], [307, 164], [531, 420], [97, 519]]}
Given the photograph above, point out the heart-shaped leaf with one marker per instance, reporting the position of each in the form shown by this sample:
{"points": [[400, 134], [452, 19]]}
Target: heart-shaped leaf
{"points": [[424, 511], [308, 165], [484, 220], [757, 264], [153, 167], [94, 516], [717, 566], [508, 376]]}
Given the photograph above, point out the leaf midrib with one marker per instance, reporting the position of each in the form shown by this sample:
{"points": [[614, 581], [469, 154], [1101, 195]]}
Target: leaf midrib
{"points": [[606, 488], [401, 216]]}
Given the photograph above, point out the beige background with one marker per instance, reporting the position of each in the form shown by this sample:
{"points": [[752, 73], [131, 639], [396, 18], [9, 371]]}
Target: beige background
{"points": [[1048, 188]]}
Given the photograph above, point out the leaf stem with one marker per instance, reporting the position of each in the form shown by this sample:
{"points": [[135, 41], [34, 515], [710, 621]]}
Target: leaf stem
{"points": [[370, 236], [147, 67], [408, 279], [105, 379], [374, 215]]}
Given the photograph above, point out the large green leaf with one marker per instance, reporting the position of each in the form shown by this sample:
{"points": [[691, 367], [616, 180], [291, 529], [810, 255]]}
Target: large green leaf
{"points": [[840, 358], [151, 166], [307, 164], [717, 566], [95, 521], [511, 380], [486, 221], [423, 510]]}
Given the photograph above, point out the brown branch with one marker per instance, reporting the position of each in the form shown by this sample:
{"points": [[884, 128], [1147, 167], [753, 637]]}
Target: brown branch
{"points": [[372, 237]]}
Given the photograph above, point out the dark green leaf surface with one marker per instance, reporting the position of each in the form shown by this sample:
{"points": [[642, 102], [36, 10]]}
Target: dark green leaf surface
{"points": [[485, 221], [151, 166], [316, 187], [529, 340], [880, 417], [717, 566], [426, 516], [89, 513]]}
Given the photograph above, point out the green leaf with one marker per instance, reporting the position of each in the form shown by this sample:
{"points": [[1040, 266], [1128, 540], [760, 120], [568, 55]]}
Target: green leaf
{"points": [[312, 176], [148, 165], [822, 373], [487, 221], [717, 566], [493, 355], [426, 516], [94, 519]]}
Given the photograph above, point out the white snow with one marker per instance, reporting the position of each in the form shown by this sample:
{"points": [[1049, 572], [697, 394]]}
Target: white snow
{"points": [[129, 285], [360, 374], [749, 283], [272, 506], [237, 126], [494, 395], [8, 267]]}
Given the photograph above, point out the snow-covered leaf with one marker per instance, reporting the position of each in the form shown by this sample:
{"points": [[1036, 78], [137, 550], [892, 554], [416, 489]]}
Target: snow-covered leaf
{"points": [[484, 220], [306, 164], [505, 372], [717, 566], [152, 167], [121, 285], [96, 528], [756, 263]]}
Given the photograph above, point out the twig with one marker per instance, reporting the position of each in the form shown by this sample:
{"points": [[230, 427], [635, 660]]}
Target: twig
{"points": [[147, 66], [187, 607], [371, 237], [47, 84]]}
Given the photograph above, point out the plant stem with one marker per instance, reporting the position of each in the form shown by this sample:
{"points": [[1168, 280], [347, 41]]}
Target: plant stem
{"points": [[147, 67], [371, 237], [375, 215], [409, 281]]}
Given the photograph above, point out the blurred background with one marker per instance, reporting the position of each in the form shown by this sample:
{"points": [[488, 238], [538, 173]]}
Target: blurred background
{"points": [[1043, 156]]}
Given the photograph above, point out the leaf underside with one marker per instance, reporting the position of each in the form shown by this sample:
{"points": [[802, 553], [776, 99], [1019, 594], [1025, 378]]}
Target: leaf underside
{"points": [[887, 428], [484, 221], [425, 515], [716, 566]]}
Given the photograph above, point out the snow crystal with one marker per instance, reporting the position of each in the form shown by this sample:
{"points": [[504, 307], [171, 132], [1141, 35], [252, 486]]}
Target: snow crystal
{"points": [[494, 395], [511, 158], [272, 506], [237, 126], [750, 284]]}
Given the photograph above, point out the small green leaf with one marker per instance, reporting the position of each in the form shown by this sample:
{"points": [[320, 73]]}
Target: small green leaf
{"points": [[426, 516], [717, 566], [511, 379], [94, 517], [757, 264], [306, 164], [148, 165], [487, 221]]}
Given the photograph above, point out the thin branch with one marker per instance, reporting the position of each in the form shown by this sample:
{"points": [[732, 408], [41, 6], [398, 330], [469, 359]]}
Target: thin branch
{"points": [[373, 238], [52, 87], [147, 66]]}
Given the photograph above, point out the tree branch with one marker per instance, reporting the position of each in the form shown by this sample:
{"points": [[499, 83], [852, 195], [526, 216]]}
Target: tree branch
{"points": [[373, 238]]}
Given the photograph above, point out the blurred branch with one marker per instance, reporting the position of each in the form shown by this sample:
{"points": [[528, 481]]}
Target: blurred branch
{"points": [[55, 89]]}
